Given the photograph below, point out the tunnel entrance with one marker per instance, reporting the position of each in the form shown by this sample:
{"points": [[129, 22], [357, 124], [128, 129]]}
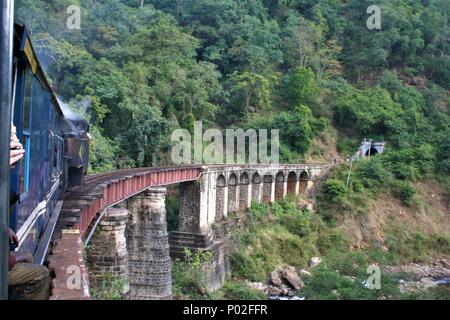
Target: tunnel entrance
{"points": [[371, 152]]}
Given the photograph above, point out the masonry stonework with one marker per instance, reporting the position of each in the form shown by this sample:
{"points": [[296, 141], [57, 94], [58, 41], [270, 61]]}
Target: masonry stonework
{"points": [[268, 195], [150, 271], [245, 196], [256, 188], [107, 256], [221, 203]]}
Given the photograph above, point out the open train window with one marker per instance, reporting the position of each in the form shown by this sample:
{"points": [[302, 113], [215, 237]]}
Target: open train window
{"points": [[55, 152], [55, 155], [26, 132]]}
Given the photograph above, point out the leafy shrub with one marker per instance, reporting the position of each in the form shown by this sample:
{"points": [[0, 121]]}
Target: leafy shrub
{"points": [[371, 173], [296, 221], [443, 156], [110, 288], [334, 190], [258, 211], [332, 240], [403, 191], [328, 283], [242, 265], [434, 293], [189, 274], [403, 171], [408, 245], [233, 290]]}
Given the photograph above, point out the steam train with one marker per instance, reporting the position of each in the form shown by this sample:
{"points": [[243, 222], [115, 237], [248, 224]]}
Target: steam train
{"points": [[56, 151]]}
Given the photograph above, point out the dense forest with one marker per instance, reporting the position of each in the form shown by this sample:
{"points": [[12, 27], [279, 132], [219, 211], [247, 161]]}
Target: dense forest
{"points": [[138, 69]]}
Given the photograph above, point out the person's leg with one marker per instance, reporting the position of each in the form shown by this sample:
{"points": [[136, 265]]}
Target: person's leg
{"points": [[29, 281]]}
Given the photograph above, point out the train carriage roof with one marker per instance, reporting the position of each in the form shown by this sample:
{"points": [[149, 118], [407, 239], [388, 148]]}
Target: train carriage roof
{"points": [[23, 46]]}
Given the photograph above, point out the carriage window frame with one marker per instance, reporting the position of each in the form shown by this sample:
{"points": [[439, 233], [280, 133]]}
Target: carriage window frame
{"points": [[55, 155], [27, 106], [60, 155]]}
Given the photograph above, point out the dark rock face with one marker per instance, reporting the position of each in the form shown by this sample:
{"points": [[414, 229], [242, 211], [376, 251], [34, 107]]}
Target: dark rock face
{"points": [[290, 275]]}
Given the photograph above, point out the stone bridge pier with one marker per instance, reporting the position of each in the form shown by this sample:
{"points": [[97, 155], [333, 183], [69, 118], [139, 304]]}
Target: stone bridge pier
{"points": [[148, 247], [131, 245]]}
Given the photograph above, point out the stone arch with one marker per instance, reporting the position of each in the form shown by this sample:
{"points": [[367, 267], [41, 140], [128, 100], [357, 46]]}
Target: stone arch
{"points": [[232, 193], [292, 183], [256, 187], [256, 178], [221, 197], [221, 181], [244, 178], [303, 181], [245, 193], [279, 186], [268, 189]]}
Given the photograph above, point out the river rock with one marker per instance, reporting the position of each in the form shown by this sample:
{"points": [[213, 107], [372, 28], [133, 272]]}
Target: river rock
{"points": [[428, 282], [202, 291], [275, 291], [292, 278], [314, 262], [258, 286], [445, 263], [305, 273], [275, 278]]}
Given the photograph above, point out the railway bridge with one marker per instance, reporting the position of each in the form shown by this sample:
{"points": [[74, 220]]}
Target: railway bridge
{"points": [[116, 222]]}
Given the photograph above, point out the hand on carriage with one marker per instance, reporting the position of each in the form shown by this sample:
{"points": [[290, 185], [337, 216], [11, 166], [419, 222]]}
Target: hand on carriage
{"points": [[13, 237], [16, 152]]}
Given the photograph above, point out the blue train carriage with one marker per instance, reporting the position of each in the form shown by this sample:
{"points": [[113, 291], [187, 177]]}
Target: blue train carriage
{"points": [[38, 179]]}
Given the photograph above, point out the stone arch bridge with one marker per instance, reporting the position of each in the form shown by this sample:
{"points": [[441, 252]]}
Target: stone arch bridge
{"points": [[120, 217]]}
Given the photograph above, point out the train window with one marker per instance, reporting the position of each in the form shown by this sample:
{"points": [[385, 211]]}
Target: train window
{"points": [[55, 154], [49, 153], [27, 100], [26, 131], [60, 158]]}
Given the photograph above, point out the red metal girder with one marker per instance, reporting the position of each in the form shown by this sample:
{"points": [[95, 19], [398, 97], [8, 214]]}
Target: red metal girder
{"points": [[122, 189]]}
